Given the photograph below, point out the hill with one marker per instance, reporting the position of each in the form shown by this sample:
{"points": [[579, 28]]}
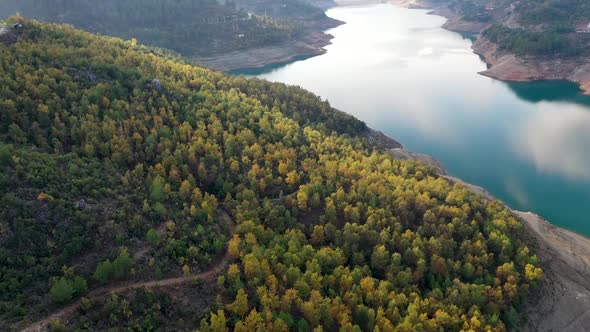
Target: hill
{"points": [[130, 179], [200, 29]]}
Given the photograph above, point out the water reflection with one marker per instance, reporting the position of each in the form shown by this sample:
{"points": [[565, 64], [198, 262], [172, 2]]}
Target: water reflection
{"points": [[556, 138], [549, 91], [517, 191]]}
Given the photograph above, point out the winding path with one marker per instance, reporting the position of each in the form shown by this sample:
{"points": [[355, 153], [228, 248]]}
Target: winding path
{"points": [[68, 311]]}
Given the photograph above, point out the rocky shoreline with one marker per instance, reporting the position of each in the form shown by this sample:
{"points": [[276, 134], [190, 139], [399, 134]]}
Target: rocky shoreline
{"points": [[508, 67], [312, 44], [309, 44]]}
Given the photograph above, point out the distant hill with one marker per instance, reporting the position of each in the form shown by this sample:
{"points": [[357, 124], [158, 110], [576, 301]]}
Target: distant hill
{"points": [[189, 27], [529, 27]]}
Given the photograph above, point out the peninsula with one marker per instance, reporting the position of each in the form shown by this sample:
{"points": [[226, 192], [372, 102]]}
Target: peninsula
{"points": [[220, 35], [522, 40]]}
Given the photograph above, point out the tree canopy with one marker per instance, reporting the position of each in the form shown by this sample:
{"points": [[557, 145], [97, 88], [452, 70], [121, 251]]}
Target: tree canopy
{"points": [[108, 176]]}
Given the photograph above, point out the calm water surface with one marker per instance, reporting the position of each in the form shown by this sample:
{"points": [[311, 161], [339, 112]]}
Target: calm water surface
{"points": [[397, 70]]}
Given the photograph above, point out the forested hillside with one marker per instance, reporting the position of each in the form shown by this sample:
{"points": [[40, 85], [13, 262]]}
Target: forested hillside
{"points": [[189, 27], [546, 28], [122, 165]]}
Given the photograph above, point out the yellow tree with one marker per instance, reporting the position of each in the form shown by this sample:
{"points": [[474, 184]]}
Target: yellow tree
{"points": [[233, 247], [240, 305], [218, 322]]}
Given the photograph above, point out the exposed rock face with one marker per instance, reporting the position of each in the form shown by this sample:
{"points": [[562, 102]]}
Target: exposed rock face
{"points": [[381, 140], [156, 85], [8, 36], [401, 153]]}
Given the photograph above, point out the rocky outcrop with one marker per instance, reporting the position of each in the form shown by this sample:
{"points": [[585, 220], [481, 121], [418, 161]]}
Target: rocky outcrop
{"points": [[457, 23], [8, 36], [381, 140], [401, 153], [157, 85]]}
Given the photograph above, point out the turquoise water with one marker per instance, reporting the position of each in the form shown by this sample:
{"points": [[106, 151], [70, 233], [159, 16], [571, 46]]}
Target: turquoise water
{"points": [[397, 70]]}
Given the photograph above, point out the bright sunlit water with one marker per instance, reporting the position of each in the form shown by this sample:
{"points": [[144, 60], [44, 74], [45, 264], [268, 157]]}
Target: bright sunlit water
{"points": [[400, 72]]}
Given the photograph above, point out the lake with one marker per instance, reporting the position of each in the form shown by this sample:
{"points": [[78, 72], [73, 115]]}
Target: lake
{"points": [[401, 73]]}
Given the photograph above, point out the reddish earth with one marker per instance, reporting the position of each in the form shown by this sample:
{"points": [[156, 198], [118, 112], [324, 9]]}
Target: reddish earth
{"points": [[508, 67]]}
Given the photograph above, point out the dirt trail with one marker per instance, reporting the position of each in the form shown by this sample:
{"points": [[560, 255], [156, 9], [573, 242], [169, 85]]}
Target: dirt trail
{"points": [[209, 274]]}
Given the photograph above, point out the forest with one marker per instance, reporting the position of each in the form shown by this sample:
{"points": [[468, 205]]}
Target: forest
{"points": [[121, 164], [533, 28], [189, 27], [554, 13], [525, 42]]}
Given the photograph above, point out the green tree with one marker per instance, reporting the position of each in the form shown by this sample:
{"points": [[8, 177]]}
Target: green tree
{"points": [[5, 154], [157, 190], [122, 264], [61, 291], [153, 237], [79, 285], [104, 271], [380, 258]]}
